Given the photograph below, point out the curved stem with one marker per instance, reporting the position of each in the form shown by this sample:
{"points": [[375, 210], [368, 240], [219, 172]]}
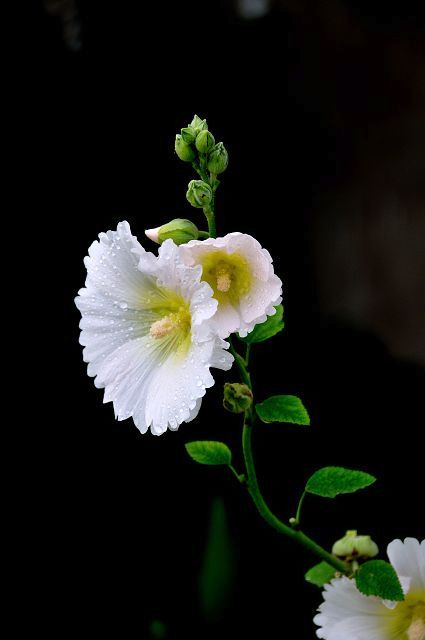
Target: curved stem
{"points": [[269, 516], [300, 504], [240, 363], [254, 489]]}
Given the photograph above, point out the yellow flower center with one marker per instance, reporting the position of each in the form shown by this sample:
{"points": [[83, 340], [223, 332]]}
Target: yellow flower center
{"points": [[408, 619], [416, 631], [229, 275], [171, 319], [178, 321]]}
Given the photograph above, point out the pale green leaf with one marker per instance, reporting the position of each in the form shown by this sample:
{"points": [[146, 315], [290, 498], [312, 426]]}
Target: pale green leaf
{"points": [[283, 409], [378, 578], [320, 574], [209, 452], [267, 329], [329, 482]]}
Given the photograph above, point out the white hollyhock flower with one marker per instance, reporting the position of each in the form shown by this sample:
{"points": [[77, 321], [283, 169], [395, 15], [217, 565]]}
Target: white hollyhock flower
{"points": [[346, 614], [146, 332], [241, 274]]}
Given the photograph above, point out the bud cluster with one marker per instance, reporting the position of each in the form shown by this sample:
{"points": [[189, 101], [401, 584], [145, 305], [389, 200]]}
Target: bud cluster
{"points": [[196, 139]]}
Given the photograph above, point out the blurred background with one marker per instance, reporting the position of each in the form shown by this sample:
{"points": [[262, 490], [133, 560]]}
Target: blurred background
{"points": [[322, 108]]}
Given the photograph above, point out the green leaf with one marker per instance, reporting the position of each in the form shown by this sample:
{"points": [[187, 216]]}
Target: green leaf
{"points": [[267, 329], [320, 574], [378, 578], [331, 481], [209, 452], [283, 409]]}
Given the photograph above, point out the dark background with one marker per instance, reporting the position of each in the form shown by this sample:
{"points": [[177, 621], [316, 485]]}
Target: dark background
{"points": [[321, 108]]}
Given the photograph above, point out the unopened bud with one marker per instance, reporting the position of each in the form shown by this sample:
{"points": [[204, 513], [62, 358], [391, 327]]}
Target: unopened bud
{"points": [[237, 397], [353, 547], [188, 135], [218, 159], [198, 124], [183, 150], [204, 141], [179, 230], [199, 194]]}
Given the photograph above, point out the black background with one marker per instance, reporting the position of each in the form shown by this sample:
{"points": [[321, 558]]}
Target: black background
{"points": [[121, 518]]}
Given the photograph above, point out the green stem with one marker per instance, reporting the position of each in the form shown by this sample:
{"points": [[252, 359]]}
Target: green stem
{"points": [[298, 514], [200, 171], [209, 214], [240, 363], [269, 516], [239, 476], [254, 489], [247, 354]]}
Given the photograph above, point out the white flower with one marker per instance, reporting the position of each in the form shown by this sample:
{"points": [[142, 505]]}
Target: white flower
{"points": [[346, 614], [146, 331], [241, 274]]}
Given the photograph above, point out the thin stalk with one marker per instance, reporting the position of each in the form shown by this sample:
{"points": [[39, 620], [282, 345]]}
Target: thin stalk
{"points": [[254, 489]]}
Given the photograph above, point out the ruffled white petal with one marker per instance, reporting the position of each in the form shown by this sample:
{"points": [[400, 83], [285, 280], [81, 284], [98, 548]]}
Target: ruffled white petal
{"points": [[265, 291], [346, 614], [143, 376], [177, 387], [408, 559]]}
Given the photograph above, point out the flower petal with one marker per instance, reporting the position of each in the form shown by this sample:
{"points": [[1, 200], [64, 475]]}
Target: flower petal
{"points": [[151, 378], [265, 287], [408, 559], [346, 614]]}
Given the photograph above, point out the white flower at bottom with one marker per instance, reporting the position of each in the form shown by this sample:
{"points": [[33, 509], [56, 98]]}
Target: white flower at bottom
{"points": [[346, 614], [146, 331], [241, 274]]}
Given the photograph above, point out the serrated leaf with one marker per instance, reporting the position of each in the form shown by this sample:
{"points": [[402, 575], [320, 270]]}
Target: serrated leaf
{"points": [[267, 329], [283, 409], [320, 574], [378, 578], [331, 481], [209, 452]]}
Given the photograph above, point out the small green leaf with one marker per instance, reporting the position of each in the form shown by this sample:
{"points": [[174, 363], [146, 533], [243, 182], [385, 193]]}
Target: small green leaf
{"points": [[283, 409], [320, 574], [378, 578], [331, 481], [267, 329], [209, 452]]}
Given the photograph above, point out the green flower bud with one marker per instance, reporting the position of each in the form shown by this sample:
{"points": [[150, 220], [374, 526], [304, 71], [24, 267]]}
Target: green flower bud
{"points": [[198, 124], [218, 159], [179, 230], [237, 397], [204, 141], [183, 150], [199, 193], [353, 547], [188, 135]]}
